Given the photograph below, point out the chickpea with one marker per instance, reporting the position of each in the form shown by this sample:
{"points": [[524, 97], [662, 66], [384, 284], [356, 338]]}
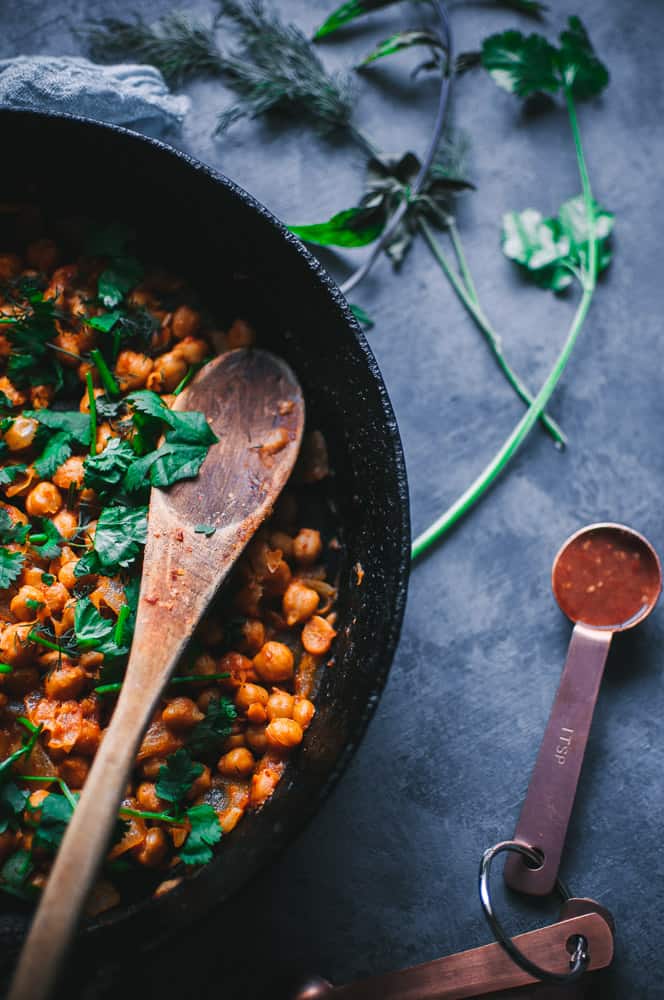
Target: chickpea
{"points": [[15, 647], [206, 697], [282, 734], [147, 797], [22, 680], [42, 254], [89, 738], [237, 763], [275, 440], [43, 500], [56, 597], [280, 705], [15, 396], [274, 662], [181, 713], [192, 349], [151, 767], [161, 338], [201, 785], [91, 660], [317, 636], [70, 472], [132, 370], [280, 540], [253, 636], [67, 524], [41, 396], [185, 322], [169, 370], [19, 606], [307, 546], [21, 434], [104, 434], [240, 334], [74, 343], [256, 738], [303, 712], [238, 666], [152, 852], [32, 816], [84, 405], [247, 600], [256, 714], [65, 683], [250, 694], [142, 298], [299, 603], [204, 665], [74, 770], [277, 582]]}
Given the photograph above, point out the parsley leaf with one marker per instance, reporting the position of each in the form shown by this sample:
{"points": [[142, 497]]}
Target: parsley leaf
{"points": [[30, 334], [189, 427], [93, 631], [166, 465], [15, 872], [121, 533], [56, 811], [553, 250], [50, 548], [12, 803], [210, 733], [205, 529], [525, 65], [11, 531], [11, 564], [108, 467], [177, 776], [118, 279], [105, 322], [354, 227], [9, 473], [57, 451], [204, 833], [71, 422]]}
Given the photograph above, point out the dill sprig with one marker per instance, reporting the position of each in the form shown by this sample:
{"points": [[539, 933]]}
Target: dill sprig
{"points": [[278, 70], [178, 46]]}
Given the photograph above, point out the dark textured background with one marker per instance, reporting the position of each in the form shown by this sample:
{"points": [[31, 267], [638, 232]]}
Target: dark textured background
{"points": [[385, 876]]}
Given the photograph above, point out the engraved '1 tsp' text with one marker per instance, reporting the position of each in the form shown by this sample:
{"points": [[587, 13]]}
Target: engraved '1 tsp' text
{"points": [[564, 744]]}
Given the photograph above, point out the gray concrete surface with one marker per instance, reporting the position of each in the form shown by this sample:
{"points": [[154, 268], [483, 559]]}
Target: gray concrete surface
{"points": [[385, 875]]}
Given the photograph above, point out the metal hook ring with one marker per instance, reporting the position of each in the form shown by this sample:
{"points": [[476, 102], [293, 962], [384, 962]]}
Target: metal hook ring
{"points": [[579, 958]]}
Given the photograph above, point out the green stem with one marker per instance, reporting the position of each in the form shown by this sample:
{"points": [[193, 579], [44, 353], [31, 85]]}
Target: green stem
{"points": [[92, 402], [35, 637], [143, 814], [118, 634], [38, 539], [64, 787], [525, 425], [492, 337], [5, 668], [189, 679], [105, 373], [455, 237]]}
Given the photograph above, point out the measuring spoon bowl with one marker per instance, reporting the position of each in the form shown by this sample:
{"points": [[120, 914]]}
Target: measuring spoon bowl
{"points": [[606, 578]]}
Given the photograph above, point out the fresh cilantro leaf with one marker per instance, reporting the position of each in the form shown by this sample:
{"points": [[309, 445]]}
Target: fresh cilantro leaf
{"points": [[121, 533], [9, 473], [118, 279], [582, 71], [105, 322], [33, 605], [12, 803], [48, 579], [188, 427], [56, 811], [553, 250], [57, 451], [149, 403], [5, 402], [15, 873], [11, 531], [204, 833], [50, 548], [108, 467], [525, 65], [11, 564], [520, 64], [31, 362], [177, 776], [76, 425], [354, 227], [208, 735], [205, 529], [166, 465]]}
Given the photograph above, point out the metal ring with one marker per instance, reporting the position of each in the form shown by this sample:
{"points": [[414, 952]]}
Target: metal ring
{"points": [[579, 958]]}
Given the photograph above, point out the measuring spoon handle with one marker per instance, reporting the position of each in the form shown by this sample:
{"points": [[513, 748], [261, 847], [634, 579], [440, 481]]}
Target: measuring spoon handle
{"points": [[548, 806], [479, 971]]}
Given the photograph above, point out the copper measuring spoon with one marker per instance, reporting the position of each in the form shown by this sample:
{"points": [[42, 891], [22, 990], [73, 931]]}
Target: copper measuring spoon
{"points": [[606, 578]]}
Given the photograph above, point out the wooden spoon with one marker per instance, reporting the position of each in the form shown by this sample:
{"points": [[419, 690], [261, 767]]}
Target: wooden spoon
{"points": [[254, 404]]}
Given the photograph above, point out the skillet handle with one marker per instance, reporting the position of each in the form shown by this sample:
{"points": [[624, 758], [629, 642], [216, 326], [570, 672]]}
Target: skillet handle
{"points": [[81, 852]]}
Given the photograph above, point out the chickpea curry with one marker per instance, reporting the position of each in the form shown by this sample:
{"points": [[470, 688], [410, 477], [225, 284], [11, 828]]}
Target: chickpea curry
{"points": [[94, 350]]}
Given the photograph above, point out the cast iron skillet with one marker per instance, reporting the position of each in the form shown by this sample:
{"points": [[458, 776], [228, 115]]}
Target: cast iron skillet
{"points": [[244, 262]]}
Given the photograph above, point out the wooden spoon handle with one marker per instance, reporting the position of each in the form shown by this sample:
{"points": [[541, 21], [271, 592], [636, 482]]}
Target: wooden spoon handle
{"points": [[548, 806], [81, 851]]}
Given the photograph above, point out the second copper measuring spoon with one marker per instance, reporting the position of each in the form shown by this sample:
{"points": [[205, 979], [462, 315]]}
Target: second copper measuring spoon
{"points": [[606, 578]]}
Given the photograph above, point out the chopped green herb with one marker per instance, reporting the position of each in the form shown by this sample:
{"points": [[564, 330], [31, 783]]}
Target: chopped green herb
{"points": [[208, 735], [11, 564], [55, 813], [176, 777], [120, 536], [48, 579], [205, 529], [107, 469], [15, 872], [105, 373], [205, 832]]}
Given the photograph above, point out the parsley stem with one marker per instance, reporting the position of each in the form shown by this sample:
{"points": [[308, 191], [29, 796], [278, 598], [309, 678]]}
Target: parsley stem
{"points": [[184, 382], [37, 539], [5, 668], [525, 425], [471, 303], [118, 634], [64, 787], [105, 373], [188, 679], [143, 814], [35, 637], [93, 413]]}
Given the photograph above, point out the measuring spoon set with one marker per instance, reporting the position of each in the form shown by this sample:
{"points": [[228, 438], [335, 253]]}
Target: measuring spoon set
{"points": [[606, 578]]}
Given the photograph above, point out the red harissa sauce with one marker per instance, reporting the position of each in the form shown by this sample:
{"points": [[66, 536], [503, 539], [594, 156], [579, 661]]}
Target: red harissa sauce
{"points": [[605, 579]]}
